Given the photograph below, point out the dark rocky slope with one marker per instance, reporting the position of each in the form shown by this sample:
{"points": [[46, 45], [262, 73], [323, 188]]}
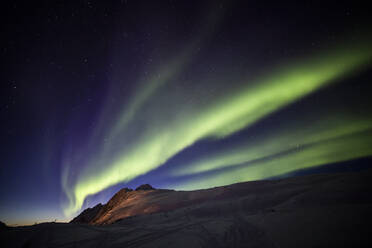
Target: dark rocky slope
{"points": [[308, 211]]}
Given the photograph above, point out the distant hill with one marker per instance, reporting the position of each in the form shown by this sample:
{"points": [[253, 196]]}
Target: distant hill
{"points": [[252, 196], [324, 210], [126, 203], [3, 225]]}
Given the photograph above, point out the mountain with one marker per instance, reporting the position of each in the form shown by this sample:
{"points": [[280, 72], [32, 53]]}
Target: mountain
{"points": [[3, 226], [88, 215], [125, 203], [329, 210]]}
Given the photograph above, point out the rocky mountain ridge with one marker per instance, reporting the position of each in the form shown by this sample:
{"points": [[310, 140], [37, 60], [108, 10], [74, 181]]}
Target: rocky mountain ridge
{"points": [[329, 210]]}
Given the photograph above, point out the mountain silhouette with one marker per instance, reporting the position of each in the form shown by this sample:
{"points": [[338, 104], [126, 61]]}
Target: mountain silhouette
{"points": [[324, 210]]}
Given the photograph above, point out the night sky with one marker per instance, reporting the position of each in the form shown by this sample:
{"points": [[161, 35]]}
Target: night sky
{"points": [[100, 95]]}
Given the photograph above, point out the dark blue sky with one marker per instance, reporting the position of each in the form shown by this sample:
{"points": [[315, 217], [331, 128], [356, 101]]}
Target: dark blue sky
{"points": [[98, 95]]}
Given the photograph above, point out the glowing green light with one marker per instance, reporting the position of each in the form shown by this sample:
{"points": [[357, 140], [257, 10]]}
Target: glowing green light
{"points": [[330, 151], [303, 134], [221, 117]]}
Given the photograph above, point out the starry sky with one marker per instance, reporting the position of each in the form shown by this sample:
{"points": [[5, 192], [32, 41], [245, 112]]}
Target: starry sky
{"points": [[100, 95]]}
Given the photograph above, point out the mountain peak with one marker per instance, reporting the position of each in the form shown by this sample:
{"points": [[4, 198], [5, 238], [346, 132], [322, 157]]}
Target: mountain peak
{"points": [[144, 187], [88, 214], [3, 225]]}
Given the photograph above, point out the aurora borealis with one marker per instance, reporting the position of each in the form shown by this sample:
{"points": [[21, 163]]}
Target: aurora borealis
{"points": [[147, 95], [220, 119]]}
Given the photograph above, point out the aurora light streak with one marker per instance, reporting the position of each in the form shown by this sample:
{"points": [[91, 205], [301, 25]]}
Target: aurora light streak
{"points": [[101, 95], [305, 134], [314, 144], [224, 116], [330, 151]]}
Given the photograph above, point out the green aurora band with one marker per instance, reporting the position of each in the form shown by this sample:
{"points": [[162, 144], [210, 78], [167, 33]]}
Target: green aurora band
{"points": [[321, 142], [227, 114], [330, 151], [297, 135]]}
